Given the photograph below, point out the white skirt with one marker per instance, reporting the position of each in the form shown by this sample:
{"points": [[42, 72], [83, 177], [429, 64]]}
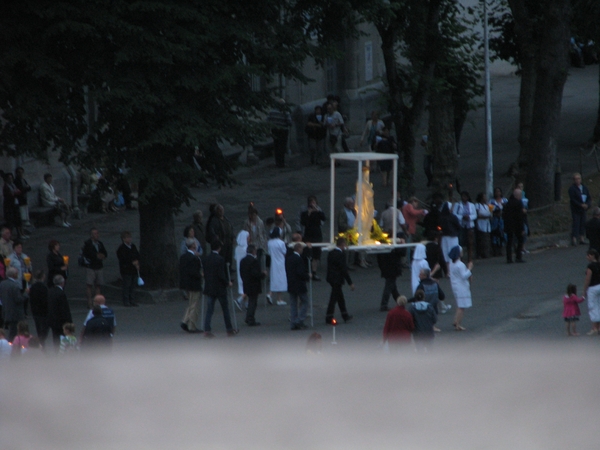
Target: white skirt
{"points": [[448, 243], [593, 301], [464, 302]]}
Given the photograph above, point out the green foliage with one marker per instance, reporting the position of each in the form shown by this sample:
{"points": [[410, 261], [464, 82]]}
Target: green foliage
{"points": [[142, 84]]}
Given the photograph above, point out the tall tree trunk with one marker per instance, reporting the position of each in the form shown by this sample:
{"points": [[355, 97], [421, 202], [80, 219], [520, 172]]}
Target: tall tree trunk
{"points": [[552, 71], [442, 139], [526, 100], [528, 45], [158, 250]]}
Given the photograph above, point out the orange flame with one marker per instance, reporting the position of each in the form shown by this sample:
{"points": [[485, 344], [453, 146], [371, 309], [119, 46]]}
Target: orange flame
{"points": [[333, 322]]}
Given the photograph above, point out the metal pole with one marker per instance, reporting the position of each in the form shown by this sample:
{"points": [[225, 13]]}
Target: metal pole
{"points": [[395, 200], [310, 293], [332, 201], [489, 170], [359, 204], [230, 290]]}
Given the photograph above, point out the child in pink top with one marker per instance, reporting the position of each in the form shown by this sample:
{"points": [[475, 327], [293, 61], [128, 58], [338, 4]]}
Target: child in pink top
{"points": [[571, 311], [21, 340]]}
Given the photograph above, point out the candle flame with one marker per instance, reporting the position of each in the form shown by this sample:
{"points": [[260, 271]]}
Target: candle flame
{"points": [[333, 322]]}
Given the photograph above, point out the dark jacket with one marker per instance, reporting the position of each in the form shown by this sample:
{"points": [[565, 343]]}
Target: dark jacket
{"points": [[424, 318], [59, 311], [38, 299], [190, 272], [297, 274], [576, 199], [312, 225], [55, 262], [390, 264], [337, 270], [23, 186], [90, 253], [12, 301], [450, 224], [251, 275], [513, 215], [97, 333], [215, 275], [126, 256], [433, 291]]}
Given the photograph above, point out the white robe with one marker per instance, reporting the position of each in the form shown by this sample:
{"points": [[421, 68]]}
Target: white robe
{"points": [[278, 278], [240, 253], [419, 262], [461, 287]]}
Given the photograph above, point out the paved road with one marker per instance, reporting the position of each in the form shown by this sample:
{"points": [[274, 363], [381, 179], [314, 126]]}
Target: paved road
{"points": [[501, 293]]}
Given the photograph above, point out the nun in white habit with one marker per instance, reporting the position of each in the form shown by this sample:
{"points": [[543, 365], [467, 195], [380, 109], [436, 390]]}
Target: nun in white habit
{"points": [[240, 253], [278, 279], [460, 275], [419, 262]]}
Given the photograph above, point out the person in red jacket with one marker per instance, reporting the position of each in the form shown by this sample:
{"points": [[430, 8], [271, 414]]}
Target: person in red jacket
{"points": [[398, 326]]}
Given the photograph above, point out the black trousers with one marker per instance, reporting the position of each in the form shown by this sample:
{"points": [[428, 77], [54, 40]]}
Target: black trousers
{"points": [[252, 302], [511, 235], [389, 288], [280, 140], [336, 297], [41, 328]]}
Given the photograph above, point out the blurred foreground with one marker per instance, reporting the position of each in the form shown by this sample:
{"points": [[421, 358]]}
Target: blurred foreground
{"points": [[258, 396]]}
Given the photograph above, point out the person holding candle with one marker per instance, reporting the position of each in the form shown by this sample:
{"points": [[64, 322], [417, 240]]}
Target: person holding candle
{"points": [[56, 262], [6, 248]]}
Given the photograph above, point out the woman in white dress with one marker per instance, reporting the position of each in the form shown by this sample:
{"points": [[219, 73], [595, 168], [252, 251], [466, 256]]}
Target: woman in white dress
{"points": [[277, 276], [240, 253], [419, 262], [460, 276]]}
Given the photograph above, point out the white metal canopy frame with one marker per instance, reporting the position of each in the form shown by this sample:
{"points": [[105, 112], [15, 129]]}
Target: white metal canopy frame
{"points": [[361, 158]]}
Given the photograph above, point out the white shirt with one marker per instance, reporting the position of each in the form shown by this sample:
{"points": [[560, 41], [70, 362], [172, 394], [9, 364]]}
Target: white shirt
{"points": [[483, 218], [461, 209]]}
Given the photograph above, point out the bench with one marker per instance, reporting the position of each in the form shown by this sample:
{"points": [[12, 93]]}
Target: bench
{"points": [[42, 216]]}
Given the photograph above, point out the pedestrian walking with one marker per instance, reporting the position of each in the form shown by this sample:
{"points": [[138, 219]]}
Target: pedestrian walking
{"points": [[215, 289], [277, 276], [424, 318], [398, 326], [297, 276], [129, 267], [252, 276], [59, 311], [13, 301], [190, 281], [337, 275], [514, 226], [571, 310], [460, 276], [390, 266]]}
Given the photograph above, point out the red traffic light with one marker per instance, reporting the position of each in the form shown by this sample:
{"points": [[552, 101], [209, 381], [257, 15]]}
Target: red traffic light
{"points": [[333, 322]]}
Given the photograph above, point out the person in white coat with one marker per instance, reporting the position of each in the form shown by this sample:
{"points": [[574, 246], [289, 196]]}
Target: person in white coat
{"points": [[277, 275], [467, 214], [240, 253], [419, 262], [460, 276]]}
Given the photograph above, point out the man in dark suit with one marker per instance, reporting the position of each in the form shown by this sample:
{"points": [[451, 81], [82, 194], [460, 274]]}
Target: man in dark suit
{"points": [[252, 280], [337, 273], [190, 281], [215, 289], [59, 311], [390, 265], [513, 214], [297, 276], [12, 302]]}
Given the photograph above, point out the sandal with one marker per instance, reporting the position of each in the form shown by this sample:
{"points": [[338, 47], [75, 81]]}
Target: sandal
{"points": [[458, 327]]}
